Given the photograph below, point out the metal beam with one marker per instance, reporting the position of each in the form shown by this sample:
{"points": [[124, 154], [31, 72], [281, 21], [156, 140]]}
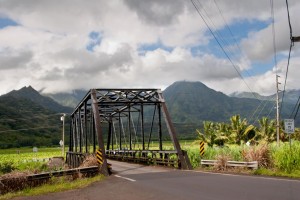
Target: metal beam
{"points": [[96, 116], [184, 164]]}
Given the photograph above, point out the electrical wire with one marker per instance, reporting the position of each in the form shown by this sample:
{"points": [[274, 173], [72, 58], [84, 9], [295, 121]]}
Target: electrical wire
{"points": [[31, 117], [223, 49], [274, 35], [27, 129], [297, 111], [295, 108], [289, 56], [286, 75], [220, 45]]}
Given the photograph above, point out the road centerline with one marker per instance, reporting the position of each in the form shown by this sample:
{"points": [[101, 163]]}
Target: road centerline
{"points": [[129, 179]]}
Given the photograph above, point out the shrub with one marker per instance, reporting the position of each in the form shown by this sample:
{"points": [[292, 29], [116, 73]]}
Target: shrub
{"points": [[222, 161], [261, 154], [287, 158], [6, 167]]}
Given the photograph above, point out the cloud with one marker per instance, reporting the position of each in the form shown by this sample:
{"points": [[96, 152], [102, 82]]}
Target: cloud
{"points": [[156, 12], [10, 60], [64, 45]]}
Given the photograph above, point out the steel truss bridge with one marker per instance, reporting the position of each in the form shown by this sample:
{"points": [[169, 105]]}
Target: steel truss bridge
{"points": [[127, 125]]}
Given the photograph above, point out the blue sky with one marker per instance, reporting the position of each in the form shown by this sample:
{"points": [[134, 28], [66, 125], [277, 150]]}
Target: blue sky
{"points": [[4, 22]]}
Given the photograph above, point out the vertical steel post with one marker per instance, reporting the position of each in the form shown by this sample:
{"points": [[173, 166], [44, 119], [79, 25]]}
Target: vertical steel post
{"points": [[71, 135], [159, 127], [109, 135], [96, 115], [184, 160], [129, 127], [112, 135], [94, 133], [80, 132], [85, 127], [142, 125], [120, 132]]}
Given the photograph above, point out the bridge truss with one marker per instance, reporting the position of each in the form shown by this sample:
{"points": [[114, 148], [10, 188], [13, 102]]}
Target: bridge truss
{"points": [[126, 124]]}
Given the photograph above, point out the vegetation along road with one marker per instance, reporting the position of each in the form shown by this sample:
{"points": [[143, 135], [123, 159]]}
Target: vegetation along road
{"points": [[133, 181]]}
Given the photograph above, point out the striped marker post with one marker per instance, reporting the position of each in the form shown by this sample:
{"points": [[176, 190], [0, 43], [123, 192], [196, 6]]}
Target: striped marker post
{"points": [[202, 150], [99, 157]]}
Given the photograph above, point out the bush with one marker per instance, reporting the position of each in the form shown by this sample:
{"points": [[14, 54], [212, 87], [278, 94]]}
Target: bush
{"points": [[6, 167], [287, 158], [261, 154]]}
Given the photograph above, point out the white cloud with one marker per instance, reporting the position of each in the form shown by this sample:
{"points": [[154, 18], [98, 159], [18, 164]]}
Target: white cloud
{"points": [[48, 49]]}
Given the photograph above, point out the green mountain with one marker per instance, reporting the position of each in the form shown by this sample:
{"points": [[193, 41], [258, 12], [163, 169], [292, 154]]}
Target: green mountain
{"points": [[290, 96], [194, 102], [29, 119], [31, 94], [67, 99]]}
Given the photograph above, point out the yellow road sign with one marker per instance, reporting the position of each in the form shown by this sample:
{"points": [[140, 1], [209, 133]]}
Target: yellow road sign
{"points": [[202, 150], [99, 157]]}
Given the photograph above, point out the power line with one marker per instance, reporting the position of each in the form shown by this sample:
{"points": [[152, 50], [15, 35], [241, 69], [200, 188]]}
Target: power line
{"points": [[31, 117], [220, 45], [224, 51], [273, 34], [295, 108], [286, 75], [27, 129]]}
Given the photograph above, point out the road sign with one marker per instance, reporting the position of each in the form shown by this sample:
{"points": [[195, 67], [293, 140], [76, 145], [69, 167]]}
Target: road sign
{"points": [[289, 126], [202, 150], [99, 157], [34, 149]]}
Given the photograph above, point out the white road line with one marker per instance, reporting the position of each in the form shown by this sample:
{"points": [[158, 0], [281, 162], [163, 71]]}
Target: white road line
{"points": [[129, 179], [249, 176]]}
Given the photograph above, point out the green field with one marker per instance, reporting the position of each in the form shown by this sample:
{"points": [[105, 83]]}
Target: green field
{"points": [[273, 159]]}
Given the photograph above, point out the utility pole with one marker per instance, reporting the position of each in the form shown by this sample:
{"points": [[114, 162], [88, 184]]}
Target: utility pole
{"points": [[62, 118], [277, 109]]}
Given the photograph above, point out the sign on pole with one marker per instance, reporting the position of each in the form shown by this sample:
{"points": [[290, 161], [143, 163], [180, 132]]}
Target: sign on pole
{"points": [[35, 149], [99, 157], [202, 150], [289, 126]]}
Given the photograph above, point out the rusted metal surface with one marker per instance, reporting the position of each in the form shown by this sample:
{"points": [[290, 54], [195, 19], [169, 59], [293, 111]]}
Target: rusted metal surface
{"points": [[123, 119], [152, 157]]}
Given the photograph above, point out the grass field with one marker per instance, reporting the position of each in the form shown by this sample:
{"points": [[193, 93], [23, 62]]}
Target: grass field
{"points": [[281, 159]]}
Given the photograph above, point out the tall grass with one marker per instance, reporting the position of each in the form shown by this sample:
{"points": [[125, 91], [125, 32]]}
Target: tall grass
{"points": [[287, 158], [281, 159]]}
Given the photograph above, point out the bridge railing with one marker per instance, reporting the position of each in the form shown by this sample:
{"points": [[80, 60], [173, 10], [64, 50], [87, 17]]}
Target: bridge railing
{"points": [[150, 157], [74, 159]]}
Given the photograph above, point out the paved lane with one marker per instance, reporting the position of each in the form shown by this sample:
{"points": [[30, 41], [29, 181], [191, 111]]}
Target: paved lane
{"points": [[131, 181]]}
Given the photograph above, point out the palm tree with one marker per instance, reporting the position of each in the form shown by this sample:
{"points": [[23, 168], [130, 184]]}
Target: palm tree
{"points": [[222, 134], [241, 130], [208, 135], [267, 130]]}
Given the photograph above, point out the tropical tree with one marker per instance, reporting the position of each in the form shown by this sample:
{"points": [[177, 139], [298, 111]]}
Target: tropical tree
{"points": [[267, 130], [208, 134], [222, 134], [242, 132]]}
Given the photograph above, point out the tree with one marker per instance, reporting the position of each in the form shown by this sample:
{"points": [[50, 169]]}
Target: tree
{"points": [[222, 134], [267, 130], [242, 132], [208, 135]]}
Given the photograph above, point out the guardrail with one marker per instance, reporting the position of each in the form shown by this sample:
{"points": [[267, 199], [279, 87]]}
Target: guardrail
{"points": [[253, 164], [155, 157]]}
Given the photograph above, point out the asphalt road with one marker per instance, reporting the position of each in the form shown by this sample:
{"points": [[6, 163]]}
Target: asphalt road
{"points": [[135, 182]]}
